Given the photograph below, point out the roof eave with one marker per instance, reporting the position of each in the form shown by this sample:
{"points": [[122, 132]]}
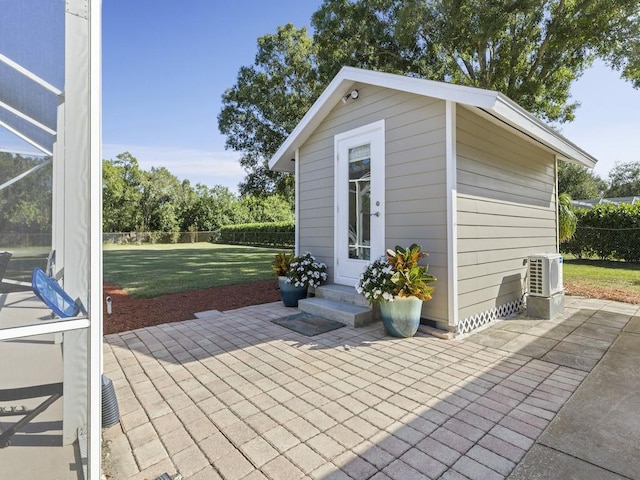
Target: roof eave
{"points": [[281, 160], [348, 76], [516, 116], [493, 103]]}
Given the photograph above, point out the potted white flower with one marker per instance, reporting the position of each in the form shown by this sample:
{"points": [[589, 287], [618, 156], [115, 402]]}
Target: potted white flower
{"points": [[304, 272], [400, 285]]}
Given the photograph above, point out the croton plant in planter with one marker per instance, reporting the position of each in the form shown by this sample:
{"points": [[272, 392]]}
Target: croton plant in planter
{"points": [[399, 284]]}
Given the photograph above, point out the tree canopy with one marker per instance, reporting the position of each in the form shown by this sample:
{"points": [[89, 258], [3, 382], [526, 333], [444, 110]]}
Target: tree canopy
{"points": [[624, 180], [25, 206], [121, 194], [530, 50], [155, 200], [268, 100], [579, 182]]}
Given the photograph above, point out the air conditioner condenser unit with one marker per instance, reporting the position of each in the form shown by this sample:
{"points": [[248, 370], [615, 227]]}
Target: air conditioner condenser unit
{"points": [[545, 274]]}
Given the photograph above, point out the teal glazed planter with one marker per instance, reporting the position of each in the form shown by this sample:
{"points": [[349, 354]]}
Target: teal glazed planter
{"points": [[401, 318], [289, 293]]}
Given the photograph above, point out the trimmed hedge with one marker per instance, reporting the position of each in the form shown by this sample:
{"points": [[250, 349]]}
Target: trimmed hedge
{"points": [[273, 234], [608, 232]]}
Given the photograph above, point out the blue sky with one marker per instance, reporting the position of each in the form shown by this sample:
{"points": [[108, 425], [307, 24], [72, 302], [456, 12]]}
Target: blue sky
{"points": [[166, 65]]}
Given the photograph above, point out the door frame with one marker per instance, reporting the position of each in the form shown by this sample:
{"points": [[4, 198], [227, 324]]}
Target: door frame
{"points": [[373, 133]]}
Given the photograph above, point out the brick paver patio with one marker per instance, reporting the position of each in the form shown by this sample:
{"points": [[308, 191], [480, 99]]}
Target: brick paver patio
{"points": [[235, 396]]}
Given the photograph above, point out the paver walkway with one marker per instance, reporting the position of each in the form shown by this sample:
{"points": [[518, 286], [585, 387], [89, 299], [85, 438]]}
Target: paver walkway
{"points": [[235, 396]]}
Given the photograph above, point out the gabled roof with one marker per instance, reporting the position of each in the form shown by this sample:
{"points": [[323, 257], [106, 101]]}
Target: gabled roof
{"points": [[498, 106]]}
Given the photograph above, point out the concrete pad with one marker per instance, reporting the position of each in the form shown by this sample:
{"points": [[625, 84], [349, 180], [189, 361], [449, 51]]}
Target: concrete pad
{"points": [[208, 314], [597, 331], [610, 319], [599, 424], [551, 330], [615, 319], [542, 463], [545, 307], [493, 337], [530, 345], [570, 360], [595, 303], [588, 341], [519, 326], [581, 314], [633, 326], [582, 350]]}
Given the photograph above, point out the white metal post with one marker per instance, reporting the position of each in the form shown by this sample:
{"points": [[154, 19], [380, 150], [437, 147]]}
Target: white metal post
{"points": [[452, 212], [95, 280]]}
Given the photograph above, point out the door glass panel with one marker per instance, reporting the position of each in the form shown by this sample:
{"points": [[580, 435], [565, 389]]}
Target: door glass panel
{"points": [[360, 202]]}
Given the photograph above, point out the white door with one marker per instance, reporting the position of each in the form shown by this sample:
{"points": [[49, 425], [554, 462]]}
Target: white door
{"points": [[359, 189]]}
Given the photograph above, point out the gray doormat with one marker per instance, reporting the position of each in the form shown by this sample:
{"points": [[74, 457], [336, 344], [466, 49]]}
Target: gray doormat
{"points": [[308, 324]]}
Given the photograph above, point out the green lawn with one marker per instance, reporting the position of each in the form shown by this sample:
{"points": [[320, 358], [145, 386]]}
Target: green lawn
{"points": [[152, 270], [602, 279]]}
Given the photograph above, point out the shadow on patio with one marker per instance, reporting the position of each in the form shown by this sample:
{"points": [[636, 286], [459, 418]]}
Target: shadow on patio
{"points": [[235, 396]]}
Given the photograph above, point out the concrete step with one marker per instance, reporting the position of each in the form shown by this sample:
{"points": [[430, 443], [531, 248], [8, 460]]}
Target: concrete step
{"points": [[341, 293], [353, 315]]}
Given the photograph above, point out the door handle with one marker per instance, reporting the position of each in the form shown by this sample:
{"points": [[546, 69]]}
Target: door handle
{"points": [[375, 214]]}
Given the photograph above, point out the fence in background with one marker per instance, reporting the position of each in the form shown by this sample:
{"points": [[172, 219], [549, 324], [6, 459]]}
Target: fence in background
{"points": [[136, 238], [13, 241]]}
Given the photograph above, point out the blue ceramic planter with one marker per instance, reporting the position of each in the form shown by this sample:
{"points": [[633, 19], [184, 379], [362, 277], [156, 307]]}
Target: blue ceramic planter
{"points": [[401, 317], [291, 294]]}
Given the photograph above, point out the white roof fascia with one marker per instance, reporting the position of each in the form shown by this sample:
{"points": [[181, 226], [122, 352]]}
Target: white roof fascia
{"points": [[477, 97], [32, 76], [346, 77], [490, 101], [318, 111]]}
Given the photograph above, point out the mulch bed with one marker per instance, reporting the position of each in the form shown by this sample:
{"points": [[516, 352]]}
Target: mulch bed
{"points": [[129, 313], [603, 293]]}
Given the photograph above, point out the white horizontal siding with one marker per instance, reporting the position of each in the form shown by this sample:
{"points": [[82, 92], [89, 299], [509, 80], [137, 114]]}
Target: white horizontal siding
{"points": [[315, 206], [506, 211], [482, 232], [496, 164], [415, 194], [499, 221]]}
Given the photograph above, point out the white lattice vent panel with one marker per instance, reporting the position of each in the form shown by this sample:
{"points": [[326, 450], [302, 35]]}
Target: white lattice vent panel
{"points": [[476, 321]]}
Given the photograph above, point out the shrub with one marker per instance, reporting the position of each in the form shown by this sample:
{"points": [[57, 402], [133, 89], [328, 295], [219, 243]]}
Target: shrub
{"points": [[607, 231], [273, 234]]}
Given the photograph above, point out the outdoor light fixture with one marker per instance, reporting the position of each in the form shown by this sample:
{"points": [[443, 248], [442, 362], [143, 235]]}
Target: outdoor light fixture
{"points": [[351, 95]]}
